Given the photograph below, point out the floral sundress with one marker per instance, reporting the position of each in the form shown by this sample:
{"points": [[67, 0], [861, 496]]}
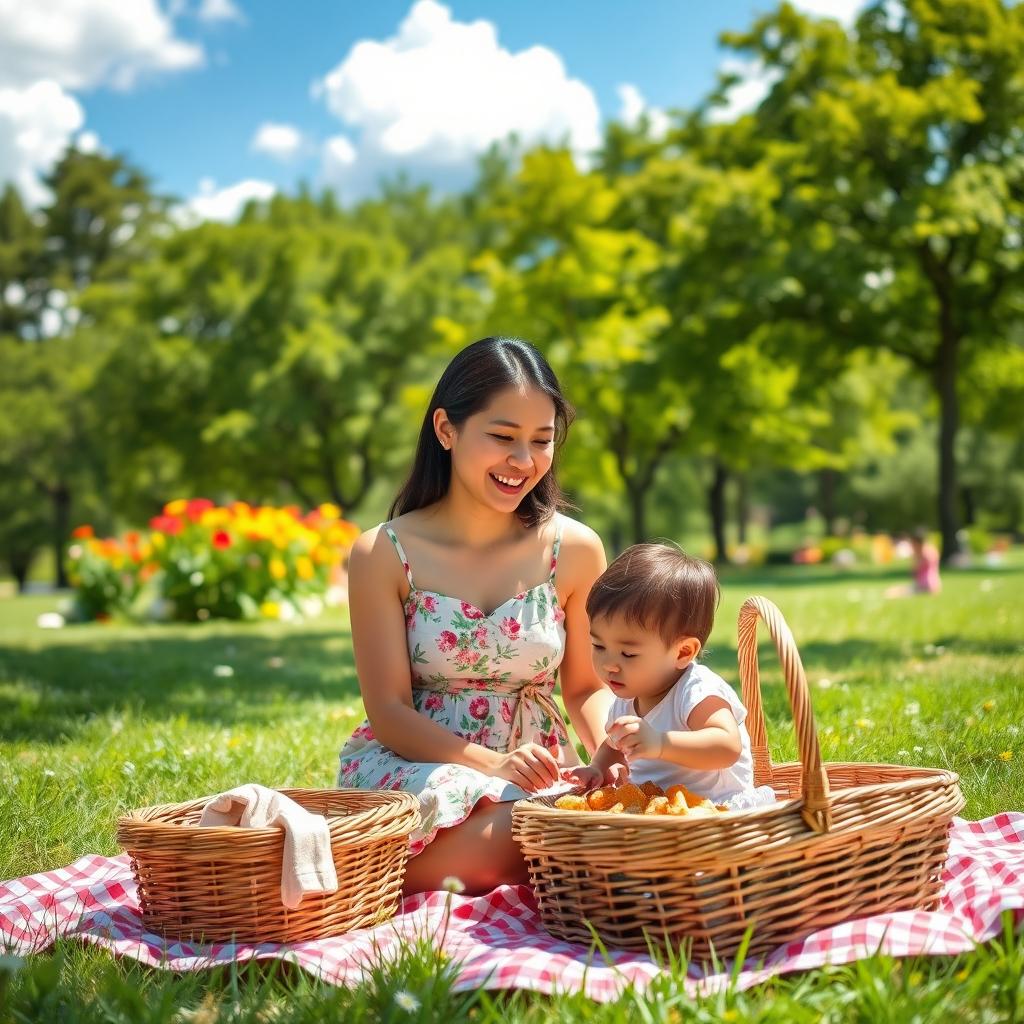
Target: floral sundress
{"points": [[488, 677]]}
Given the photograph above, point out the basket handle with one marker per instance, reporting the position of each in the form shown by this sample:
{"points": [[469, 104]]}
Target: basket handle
{"points": [[817, 803]]}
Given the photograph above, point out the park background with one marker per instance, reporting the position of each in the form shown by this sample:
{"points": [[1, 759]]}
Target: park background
{"points": [[784, 291]]}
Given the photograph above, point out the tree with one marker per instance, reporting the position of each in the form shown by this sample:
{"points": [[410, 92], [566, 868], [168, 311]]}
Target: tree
{"points": [[21, 250], [902, 156], [276, 352], [98, 222], [567, 277]]}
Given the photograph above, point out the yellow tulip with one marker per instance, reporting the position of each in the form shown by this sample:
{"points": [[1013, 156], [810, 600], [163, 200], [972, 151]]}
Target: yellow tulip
{"points": [[304, 567], [215, 517], [176, 507], [270, 610], [158, 540], [278, 569], [329, 511]]}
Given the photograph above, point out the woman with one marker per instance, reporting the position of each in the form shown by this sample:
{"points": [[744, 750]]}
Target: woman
{"points": [[464, 606]]}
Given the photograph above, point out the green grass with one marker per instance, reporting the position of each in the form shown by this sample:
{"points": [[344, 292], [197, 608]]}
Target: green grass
{"points": [[97, 719]]}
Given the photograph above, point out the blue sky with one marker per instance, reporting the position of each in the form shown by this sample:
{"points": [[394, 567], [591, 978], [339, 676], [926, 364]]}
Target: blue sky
{"points": [[221, 99]]}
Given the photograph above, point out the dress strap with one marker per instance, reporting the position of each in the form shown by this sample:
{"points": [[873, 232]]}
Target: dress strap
{"points": [[401, 553], [554, 551]]}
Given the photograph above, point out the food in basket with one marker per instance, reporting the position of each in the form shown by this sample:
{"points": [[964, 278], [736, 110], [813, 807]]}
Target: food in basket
{"points": [[646, 798], [692, 799]]}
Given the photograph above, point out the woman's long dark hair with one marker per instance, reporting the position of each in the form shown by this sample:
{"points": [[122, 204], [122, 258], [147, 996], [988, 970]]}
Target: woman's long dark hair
{"points": [[467, 385]]}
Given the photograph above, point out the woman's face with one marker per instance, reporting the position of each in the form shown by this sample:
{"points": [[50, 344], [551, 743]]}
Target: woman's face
{"points": [[500, 453]]}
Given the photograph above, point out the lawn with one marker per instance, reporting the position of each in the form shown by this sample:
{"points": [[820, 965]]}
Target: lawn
{"points": [[96, 719]]}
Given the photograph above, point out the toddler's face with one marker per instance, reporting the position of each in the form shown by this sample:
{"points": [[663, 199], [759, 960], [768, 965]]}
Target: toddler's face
{"points": [[635, 662]]}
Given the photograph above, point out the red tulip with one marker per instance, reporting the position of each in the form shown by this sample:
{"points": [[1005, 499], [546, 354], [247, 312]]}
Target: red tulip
{"points": [[166, 524], [196, 507]]}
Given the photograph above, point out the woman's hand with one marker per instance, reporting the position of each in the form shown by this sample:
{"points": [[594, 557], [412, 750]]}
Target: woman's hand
{"points": [[531, 767], [635, 738]]}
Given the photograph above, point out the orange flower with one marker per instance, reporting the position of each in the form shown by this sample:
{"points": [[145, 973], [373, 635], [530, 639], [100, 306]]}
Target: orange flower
{"points": [[222, 539], [81, 532]]}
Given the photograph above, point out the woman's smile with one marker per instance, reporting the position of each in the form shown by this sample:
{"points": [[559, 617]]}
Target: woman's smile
{"points": [[508, 484]]}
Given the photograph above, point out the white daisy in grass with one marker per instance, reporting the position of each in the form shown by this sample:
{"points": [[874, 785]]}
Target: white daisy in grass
{"points": [[406, 1001]]}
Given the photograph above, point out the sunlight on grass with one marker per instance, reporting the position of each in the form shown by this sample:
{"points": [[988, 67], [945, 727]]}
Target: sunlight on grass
{"points": [[98, 719]]}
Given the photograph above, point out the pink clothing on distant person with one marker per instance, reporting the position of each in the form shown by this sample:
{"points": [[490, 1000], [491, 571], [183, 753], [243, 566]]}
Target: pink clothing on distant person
{"points": [[926, 571]]}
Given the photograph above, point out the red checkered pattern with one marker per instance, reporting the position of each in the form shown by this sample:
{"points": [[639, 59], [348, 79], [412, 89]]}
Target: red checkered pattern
{"points": [[497, 940]]}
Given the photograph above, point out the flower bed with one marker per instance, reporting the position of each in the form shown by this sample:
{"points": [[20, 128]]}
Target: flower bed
{"points": [[199, 561]]}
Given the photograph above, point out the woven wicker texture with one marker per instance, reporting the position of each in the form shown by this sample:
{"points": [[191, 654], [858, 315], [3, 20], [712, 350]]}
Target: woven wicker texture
{"points": [[847, 840], [224, 883]]}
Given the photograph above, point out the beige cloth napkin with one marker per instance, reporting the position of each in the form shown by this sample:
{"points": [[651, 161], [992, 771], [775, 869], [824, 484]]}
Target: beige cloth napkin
{"points": [[307, 865]]}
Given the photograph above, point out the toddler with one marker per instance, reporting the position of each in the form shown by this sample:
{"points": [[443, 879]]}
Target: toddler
{"points": [[673, 720]]}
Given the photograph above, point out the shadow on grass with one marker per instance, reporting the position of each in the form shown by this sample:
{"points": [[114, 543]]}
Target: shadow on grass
{"points": [[50, 694]]}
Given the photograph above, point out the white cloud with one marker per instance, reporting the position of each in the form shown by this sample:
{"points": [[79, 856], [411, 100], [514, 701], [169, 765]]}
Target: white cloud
{"points": [[747, 93], [223, 204], [755, 79], [634, 107], [87, 142], [281, 141], [843, 11], [49, 49], [219, 10], [80, 44], [36, 124], [436, 95], [338, 157]]}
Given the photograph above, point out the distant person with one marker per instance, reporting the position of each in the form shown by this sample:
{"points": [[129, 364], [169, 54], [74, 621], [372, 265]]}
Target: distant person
{"points": [[926, 568]]}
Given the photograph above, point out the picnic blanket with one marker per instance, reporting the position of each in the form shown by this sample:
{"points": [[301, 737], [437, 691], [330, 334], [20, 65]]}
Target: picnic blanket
{"points": [[497, 941]]}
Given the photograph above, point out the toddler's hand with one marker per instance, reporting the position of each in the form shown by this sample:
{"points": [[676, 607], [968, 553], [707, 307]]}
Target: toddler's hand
{"points": [[586, 776], [634, 738]]}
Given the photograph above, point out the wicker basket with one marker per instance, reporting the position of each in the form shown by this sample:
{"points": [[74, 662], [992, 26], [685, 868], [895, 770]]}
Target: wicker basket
{"points": [[847, 840], [224, 883]]}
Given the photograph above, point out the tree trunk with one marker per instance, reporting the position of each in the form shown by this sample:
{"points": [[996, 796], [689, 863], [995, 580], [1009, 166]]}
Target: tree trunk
{"points": [[944, 377], [19, 570], [716, 507], [970, 512], [949, 421], [742, 507], [61, 498], [827, 499]]}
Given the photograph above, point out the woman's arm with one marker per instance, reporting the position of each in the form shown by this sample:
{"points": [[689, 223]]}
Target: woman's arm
{"points": [[586, 698], [381, 652]]}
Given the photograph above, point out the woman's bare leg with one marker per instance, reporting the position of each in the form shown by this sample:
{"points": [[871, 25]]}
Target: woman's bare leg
{"points": [[480, 852]]}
